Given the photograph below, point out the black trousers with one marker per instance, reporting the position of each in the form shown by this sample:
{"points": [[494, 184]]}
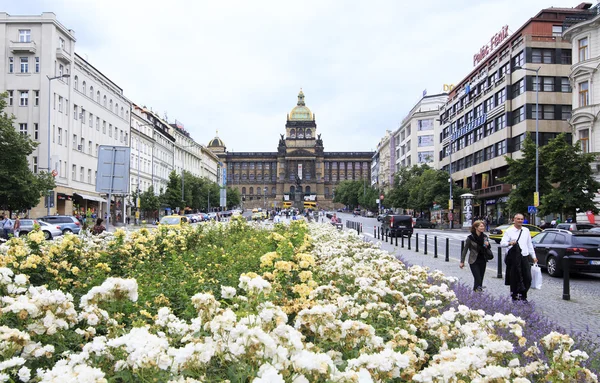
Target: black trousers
{"points": [[478, 271], [526, 270]]}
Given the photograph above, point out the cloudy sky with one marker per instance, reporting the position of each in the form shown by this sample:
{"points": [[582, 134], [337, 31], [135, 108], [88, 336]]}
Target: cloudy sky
{"points": [[237, 66]]}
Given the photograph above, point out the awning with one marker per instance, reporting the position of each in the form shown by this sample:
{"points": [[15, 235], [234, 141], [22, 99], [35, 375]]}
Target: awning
{"points": [[91, 197]]}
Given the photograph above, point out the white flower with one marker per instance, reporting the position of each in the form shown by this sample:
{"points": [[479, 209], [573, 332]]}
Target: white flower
{"points": [[268, 374], [24, 374], [227, 292]]}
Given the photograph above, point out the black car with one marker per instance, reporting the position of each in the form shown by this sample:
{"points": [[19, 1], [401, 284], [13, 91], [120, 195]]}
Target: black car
{"points": [[397, 225], [583, 249], [424, 223]]}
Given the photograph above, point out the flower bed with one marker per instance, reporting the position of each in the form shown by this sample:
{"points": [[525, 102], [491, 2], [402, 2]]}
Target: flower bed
{"points": [[239, 303]]}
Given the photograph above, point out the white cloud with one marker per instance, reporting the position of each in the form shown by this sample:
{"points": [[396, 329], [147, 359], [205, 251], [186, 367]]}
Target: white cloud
{"points": [[237, 66]]}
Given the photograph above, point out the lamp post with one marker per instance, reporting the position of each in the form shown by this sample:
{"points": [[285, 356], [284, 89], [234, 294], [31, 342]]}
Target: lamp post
{"points": [[49, 130], [536, 195]]}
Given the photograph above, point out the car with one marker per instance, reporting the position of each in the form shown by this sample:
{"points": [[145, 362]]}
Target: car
{"points": [[573, 226], [424, 223], [173, 220], [192, 218], [68, 223], [50, 231], [255, 210], [370, 214], [258, 216], [497, 232], [583, 249], [396, 225]]}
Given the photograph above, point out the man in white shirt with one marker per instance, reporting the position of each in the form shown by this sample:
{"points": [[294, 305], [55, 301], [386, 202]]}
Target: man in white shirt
{"points": [[517, 231]]}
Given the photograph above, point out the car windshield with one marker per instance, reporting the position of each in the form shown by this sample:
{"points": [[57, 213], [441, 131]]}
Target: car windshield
{"points": [[169, 221], [587, 241]]}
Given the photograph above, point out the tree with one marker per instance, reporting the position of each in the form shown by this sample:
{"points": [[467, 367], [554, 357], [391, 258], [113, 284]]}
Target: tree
{"points": [[521, 172], [406, 179], [149, 202], [233, 198], [172, 196], [569, 169], [20, 188], [368, 197], [347, 193]]}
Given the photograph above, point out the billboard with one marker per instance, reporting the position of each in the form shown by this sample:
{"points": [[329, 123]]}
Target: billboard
{"points": [[113, 169]]}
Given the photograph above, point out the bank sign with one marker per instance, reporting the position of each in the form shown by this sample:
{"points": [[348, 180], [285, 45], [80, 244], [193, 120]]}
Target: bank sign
{"points": [[475, 123]]}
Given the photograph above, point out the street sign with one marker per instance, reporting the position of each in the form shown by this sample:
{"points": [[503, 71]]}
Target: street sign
{"points": [[531, 209]]}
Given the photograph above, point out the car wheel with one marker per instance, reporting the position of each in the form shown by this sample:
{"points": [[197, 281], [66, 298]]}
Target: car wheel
{"points": [[67, 231], [552, 267], [47, 235]]}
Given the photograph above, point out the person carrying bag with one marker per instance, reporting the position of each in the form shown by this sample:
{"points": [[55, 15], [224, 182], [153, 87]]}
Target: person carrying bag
{"points": [[520, 248], [477, 245], [536, 277]]}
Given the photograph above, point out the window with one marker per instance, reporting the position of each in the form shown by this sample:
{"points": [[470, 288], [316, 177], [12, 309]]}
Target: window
{"points": [[425, 140], [81, 170], [519, 141], [35, 164], [60, 104], [519, 87], [59, 137], [74, 141], [24, 98], [36, 131], [104, 127], [76, 83], [489, 152], [424, 157], [37, 65], [548, 84], [24, 64], [98, 124], [75, 112], [566, 57], [110, 130], [61, 43], [534, 112], [83, 88], [548, 112], [535, 83], [519, 59], [11, 64], [98, 97], [89, 176], [583, 49], [584, 139], [583, 94], [36, 94], [425, 125], [501, 148], [24, 35], [565, 85], [91, 120], [60, 71], [501, 122], [557, 30], [501, 97], [518, 115], [23, 129], [536, 56], [90, 146], [566, 112], [478, 157], [110, 105], [92, 92]]}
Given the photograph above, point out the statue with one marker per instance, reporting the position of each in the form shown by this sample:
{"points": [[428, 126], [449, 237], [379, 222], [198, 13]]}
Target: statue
{"points": [[298, 180], [281, 140], [319, 140]]}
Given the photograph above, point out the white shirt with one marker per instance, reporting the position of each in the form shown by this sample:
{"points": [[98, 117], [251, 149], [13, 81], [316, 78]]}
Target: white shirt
{"points": [[512, 233]]}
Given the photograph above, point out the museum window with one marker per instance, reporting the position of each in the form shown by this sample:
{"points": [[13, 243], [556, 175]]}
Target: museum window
{"points": [[308, 133], [251, 190], [300, 133], [293, 133], [244, 190]]}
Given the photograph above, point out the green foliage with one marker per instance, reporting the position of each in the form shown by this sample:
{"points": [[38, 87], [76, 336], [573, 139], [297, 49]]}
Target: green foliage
{"points": [[233, 198], [569, 169], [356, 193], [149, 202], [172, 195], [20, 188], [196, 192]]}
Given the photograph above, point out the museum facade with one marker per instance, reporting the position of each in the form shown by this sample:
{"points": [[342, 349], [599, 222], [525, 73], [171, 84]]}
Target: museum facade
{"points": [[300, 168]]}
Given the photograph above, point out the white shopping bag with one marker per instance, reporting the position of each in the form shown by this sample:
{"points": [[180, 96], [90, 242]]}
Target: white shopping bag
{"points": [[536, 277]]}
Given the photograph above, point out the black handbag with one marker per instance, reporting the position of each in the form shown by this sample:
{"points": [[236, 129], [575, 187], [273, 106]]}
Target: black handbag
{"points": [[489, 254]]}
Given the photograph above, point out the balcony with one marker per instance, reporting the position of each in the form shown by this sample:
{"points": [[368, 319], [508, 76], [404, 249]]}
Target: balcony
{"points": [[63, 55], [22, 47], [493, 191]]}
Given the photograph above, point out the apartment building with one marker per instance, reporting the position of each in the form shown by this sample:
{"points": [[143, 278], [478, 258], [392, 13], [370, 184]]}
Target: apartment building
{"points": [[64, 103], [415, 139], [142, 151], [490, 111], [583, 31], [385, 171]]}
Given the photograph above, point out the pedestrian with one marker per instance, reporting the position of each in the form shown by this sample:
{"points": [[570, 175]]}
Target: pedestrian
{"points": [[277, 218], [99, 227], [487, 223], [7, 226], [128, 219], [520, 252], [476, 244], [17, 226], [553, 222]]}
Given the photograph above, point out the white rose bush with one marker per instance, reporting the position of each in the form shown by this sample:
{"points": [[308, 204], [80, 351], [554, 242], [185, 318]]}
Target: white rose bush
{"points": [[240, 303]]}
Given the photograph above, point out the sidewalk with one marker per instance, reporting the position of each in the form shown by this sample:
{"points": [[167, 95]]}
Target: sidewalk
{"points": [[577, 314]]}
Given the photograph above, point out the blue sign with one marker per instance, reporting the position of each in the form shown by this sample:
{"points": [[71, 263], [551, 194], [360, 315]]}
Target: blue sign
{"points": [[475, 123], [531, 209]]}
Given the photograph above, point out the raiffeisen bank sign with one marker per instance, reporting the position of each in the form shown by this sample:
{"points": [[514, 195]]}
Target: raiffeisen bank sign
{"points": [[485, 50]]}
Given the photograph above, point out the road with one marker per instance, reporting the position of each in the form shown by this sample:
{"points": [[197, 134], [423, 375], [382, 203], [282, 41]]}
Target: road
{"points": [[581, 311]]}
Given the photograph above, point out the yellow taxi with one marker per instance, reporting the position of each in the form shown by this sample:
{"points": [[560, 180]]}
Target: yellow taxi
{"points": [[173, 220], [255, 210], [497, 233]]}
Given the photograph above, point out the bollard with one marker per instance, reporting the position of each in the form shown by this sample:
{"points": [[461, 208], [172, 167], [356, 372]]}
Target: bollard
{"points": [[385, 235], [447, 250], [417, 242], [402, 240], [409, 242], [435, 247], [396, 240], [499, 275], [425, 245], [361, 228], [378, 232], [374, 231], [566, 279]]}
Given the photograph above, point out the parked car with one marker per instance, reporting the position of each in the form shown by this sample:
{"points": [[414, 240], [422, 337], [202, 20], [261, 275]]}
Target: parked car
{"points": [[424, 223], [192, 217], [497, 233], [50, 231], [572, 226], [398, 225], [68, 223], [582, 248], [173, 220]]}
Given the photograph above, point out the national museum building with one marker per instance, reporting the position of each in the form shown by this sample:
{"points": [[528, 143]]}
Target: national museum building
{"points": [[300, 166]]}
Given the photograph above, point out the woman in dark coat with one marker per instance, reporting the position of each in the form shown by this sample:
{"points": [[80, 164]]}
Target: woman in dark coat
{"points": [[475, 245]]}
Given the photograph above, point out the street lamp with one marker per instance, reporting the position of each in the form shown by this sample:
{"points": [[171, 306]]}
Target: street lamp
{"points": [[66, 75], [536, 196]]}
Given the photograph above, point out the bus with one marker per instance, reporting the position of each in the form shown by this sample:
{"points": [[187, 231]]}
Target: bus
{"points": [[310, 205], [287, 204]]}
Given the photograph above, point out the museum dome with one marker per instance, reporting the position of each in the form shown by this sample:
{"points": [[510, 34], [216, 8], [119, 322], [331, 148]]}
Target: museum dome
{"points": [[300, 111], [216, 142]]}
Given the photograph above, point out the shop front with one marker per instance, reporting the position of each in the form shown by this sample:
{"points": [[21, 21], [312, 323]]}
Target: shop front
{"points": [[497, 210]]}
